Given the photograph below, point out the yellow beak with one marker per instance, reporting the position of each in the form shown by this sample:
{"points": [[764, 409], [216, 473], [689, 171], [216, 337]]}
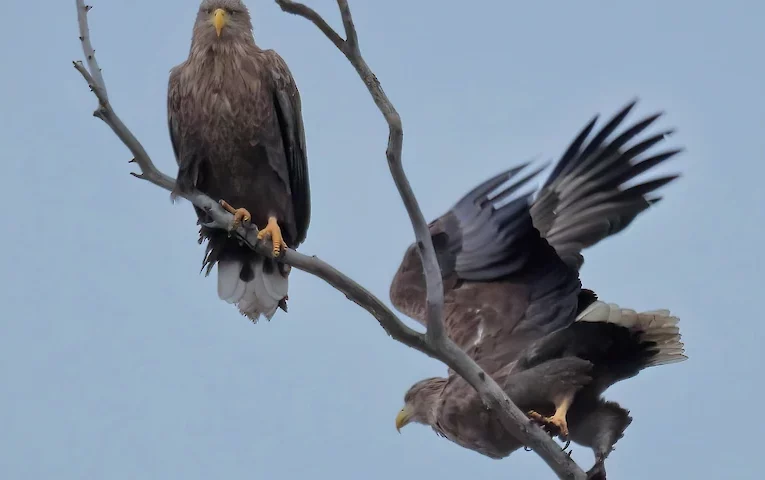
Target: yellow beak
{"points": [[403, 418], [219, 20]]}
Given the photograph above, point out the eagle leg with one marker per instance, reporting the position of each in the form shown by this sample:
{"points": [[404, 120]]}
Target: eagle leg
{"points": [[240, 215], [273, 231], [598, 471], [558, 420]]}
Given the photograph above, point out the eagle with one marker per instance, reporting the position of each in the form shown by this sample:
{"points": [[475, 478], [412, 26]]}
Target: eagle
{"points": [[236, 127], [514, 302]]}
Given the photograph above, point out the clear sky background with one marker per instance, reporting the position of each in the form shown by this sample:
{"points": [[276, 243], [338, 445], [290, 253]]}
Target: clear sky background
{"points": [[118, 361]]}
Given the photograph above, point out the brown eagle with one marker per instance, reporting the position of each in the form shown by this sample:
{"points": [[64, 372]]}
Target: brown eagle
{"points": [[237, 132], [515, 304]]}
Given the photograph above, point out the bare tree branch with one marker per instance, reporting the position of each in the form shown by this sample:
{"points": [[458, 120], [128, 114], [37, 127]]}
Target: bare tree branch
{"points": [[315, 18], [90, 53], [434, 284], [434, 344], [445, 350], [351, 39]]}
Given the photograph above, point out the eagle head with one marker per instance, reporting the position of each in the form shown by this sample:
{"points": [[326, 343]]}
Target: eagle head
{"points": [[222, 21], [420, 403]]}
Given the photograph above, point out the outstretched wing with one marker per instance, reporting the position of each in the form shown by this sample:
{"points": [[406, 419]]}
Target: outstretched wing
{"points": [[289, 112], [487, 250], [494, 263], [584, 199], [479, 240]]}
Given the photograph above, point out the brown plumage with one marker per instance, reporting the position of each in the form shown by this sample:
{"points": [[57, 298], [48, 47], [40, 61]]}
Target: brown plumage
{"points": [[514, 302], [236, 128]]}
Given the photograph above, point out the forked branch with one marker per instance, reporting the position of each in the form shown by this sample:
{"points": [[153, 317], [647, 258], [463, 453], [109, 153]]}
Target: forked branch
{"points": [[434, 344]]}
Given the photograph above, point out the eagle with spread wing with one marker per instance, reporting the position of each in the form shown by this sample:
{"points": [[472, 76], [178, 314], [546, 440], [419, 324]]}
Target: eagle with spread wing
{"points": [[514, 301], [236, 128]]}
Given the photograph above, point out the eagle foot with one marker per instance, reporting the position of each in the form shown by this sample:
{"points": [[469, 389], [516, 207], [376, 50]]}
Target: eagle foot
{"points": [[241, 215], [273, 231], [552, 425]]}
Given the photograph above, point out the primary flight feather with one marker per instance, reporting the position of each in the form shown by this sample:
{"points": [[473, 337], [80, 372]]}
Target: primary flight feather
{"points": [[236, 128]]}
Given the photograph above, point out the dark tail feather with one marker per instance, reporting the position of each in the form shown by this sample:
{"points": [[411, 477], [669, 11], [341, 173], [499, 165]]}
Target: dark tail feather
{"points": [[625, 337]]}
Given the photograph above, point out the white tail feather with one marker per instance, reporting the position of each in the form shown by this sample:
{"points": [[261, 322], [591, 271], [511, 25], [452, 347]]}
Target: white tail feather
{"points": [[259, 296], [657, 326]]}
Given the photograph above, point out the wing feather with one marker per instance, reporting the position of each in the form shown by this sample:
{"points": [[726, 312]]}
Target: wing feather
{"points": [[584, 200], [186, 168], [289, 111]]}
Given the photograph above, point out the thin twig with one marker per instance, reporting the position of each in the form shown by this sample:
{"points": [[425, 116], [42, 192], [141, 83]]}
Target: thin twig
{"points": [[90, 52], [439, 346], [309, 13]]}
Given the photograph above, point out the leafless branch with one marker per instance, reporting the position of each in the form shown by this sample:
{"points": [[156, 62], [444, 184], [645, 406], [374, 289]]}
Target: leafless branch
{"points": [[434, 285], [434, 343], [443, 348]]}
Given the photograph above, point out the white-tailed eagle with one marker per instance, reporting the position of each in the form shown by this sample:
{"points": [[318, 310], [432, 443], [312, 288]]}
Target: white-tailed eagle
{"points": [[515, 304], [236, 128]]}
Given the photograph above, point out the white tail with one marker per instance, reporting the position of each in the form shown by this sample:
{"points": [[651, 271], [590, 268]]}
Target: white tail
{"points": [[657, 326], [259, 296]]}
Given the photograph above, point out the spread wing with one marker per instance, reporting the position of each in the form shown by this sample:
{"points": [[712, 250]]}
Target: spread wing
{"points": [[584, 199], [494, 263], [289, 112], [458, 237], [510, 270]]}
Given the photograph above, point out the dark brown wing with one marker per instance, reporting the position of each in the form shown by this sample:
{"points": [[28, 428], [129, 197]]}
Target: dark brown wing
{"points": [[584, 200], [289, 112], [471, 240], [186, 163], [496, 269]]}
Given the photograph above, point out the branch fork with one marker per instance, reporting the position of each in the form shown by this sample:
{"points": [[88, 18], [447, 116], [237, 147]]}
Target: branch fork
{"points": [[434, 342]]}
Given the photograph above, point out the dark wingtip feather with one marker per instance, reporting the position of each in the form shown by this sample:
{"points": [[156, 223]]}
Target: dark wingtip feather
{"points": [[604, 133], [615, 180], [571, 152], [650, 185], [487, 186], [572, 157], [518, 183]]}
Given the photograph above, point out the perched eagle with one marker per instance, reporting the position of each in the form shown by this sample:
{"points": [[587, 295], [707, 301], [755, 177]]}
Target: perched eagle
{"points": [[515, 304], [237, 132]]}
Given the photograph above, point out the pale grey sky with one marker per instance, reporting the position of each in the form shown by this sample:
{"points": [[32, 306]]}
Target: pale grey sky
{"points": [[118, 361]]}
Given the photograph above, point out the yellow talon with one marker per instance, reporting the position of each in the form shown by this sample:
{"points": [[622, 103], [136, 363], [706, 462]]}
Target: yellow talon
{"points": [[240, 215], [558, 420], [273, 231]]}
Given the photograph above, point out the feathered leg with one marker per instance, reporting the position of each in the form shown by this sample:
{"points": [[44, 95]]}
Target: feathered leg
{"points": [[598, 426]]}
